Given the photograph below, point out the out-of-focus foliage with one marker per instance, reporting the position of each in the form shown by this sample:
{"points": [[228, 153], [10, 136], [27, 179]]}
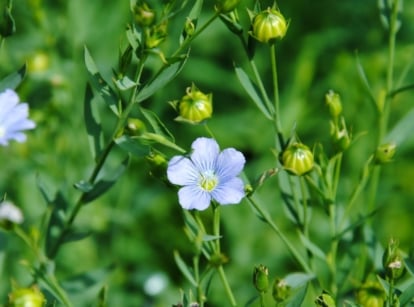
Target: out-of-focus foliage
{"points": [[138, 224]]}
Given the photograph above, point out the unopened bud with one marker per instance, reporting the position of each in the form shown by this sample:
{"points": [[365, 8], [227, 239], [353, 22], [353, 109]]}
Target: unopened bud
{"points": [[333, 101], [297, 159], [340, 136], [135, 127], [392, 261], [281, 290], [195, 106], [143, 15], [225, 6], [371, 294], [261, 278], [325, 300], [27, 297], [155, 35], [158, 165], [189, 27], [269, 25], [385, 153]]}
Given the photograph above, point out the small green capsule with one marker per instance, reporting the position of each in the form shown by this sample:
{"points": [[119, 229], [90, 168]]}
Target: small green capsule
{"points": [[325, 300], [225, 6], [281, 290], [143, 15], [392, 261], [195, 106], [385, 153], [268, 26], [371, 294], [261, 278], [297, 159], [333, 101], [27, 297], [135, 126]]}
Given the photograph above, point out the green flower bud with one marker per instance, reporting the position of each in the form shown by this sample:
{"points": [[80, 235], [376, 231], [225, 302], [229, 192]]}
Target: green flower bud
{"points": [[261, 278], [158, 165], [135, 126], [195, 106], [143, 15], [268, 26], [297, 159], [281, 290], [189, 27], [392, 261], [225, 6], [340, 136], [385, 153], [371, 294], [325, 300], [155, 35], [27, 297], [333, 101]]}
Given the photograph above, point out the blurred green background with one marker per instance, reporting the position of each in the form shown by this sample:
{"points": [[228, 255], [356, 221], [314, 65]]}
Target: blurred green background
{"points": [[138, 224]]}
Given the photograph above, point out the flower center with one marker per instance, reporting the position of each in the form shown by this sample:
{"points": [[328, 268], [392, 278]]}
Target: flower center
{"points": [[208, 181]]}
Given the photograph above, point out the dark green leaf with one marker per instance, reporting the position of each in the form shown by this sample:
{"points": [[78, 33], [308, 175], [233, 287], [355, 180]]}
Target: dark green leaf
{"points": [[132, 145], [161, 79], [7, 24], [83, 186], [84, 281], [251, 91], [104, 185], [73, 235], [100, 85], [298, 297], [92, 123], [13, 80], [407, 294], [184, 269]]}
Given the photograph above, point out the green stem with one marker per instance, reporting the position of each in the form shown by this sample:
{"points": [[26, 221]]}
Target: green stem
{"points": [[200, 293], [305, 205], [276, 229], [262, 299], [275, 87]]}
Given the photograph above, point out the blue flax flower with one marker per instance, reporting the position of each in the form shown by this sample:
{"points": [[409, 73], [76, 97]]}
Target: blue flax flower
{"points": [[207, 174], [13, 118]]}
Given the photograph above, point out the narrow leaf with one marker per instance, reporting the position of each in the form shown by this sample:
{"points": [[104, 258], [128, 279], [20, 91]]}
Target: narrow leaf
{"points": [[403, 129], [251, 91], [13, 80], [125, 84], [407, 295], [156, 124], [161, 79], [86, 280], [312, 247], [151, 138], [184, 269], [100, 85], [298, 297], [74, 235], [132, 145], [104, 185], [92, 123], [365, 81]]}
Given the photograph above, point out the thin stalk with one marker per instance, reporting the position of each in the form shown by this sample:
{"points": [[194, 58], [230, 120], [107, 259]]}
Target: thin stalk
{"points": [[305, 205], [200, 293], [276, 229], [275, 87], [220, 270]]}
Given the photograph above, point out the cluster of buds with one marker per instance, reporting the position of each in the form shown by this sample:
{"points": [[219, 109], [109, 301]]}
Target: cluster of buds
{"points": [[153, 33], [297, 159], [280, 289], [341, 138], [195, 106], [268, 26], [27, 297]]}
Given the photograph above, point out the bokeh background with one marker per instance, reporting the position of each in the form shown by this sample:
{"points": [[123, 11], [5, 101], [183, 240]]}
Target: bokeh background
{"points": [[138, 224]]}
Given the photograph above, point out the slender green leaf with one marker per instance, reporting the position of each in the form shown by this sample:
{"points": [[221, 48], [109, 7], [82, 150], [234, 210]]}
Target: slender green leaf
{"points": [[365, 81], [312, 247], [161, 79], [251, 91], [74, 235], [125, 84], [13, 80], [296, 280], [184, 268], [132, 145], [407, 294], [151, 138], [92, 123], [156, 124], [100, 85], [298, 297], [196, 10], [403, 129], [86, 280], [104, 185]]}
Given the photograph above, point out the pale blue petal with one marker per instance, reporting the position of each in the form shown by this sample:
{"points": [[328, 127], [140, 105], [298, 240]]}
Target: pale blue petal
{"points": [[230, 163], [205, 152], [8, 100], [229, 192], [193, 197], [181, 171]]}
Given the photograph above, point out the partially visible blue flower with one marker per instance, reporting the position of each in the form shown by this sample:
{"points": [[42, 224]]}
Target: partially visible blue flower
{"points": [[9, 212], [13, 118], [207, 175]]}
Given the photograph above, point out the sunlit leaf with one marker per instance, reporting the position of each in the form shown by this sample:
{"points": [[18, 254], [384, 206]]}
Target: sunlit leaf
{"points": [[151, 138], [251, 91], [13, 80]]}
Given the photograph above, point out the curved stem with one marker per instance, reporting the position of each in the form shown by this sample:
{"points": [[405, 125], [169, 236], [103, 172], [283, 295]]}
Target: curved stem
{"points": [[276, 229]]}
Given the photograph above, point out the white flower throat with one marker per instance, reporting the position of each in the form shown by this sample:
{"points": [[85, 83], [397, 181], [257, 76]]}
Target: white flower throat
{"points": [[208, 180]]}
